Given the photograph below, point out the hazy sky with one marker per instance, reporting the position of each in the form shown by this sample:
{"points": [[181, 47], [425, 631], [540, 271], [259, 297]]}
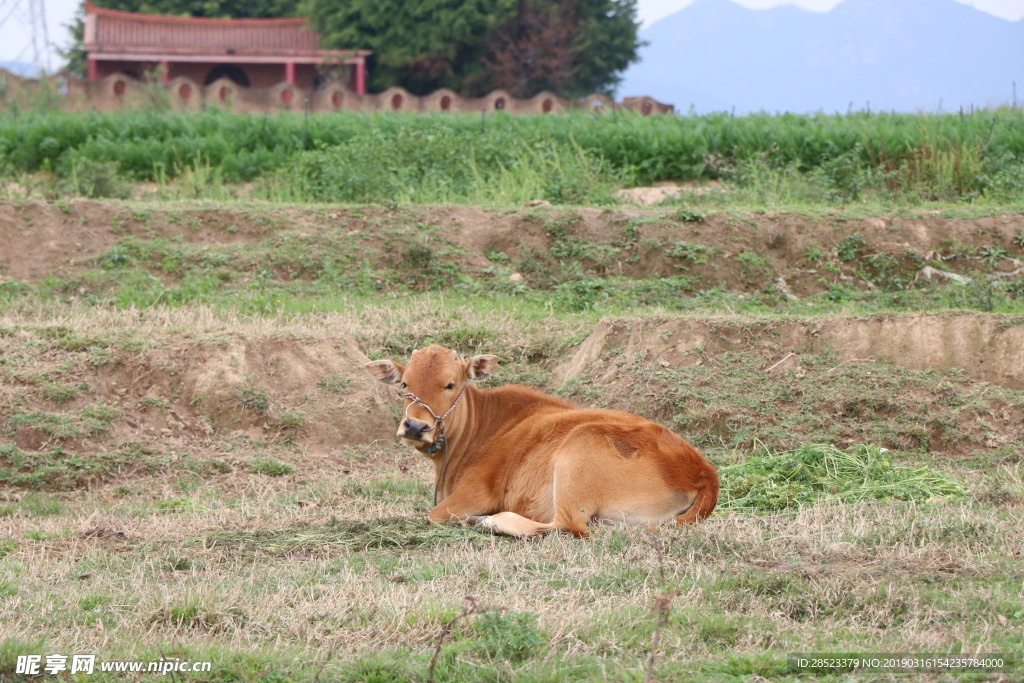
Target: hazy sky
{"points": [[652, 10], [15, 38]]}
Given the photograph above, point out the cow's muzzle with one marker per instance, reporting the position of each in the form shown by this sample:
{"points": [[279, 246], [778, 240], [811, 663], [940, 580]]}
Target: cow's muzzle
{"points": [[413, 429]]}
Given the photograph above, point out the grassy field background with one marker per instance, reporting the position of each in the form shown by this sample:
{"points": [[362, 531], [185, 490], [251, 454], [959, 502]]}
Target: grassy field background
{"points": [[194, 466]]}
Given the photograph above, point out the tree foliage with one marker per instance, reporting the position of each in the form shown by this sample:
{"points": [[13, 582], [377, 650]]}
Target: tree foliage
{"points": [[421, 45], [535, 51], [75, 60], [608, 43], [214, 9], [573, 47]]}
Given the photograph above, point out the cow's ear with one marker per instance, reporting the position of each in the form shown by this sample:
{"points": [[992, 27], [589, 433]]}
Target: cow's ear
{"points": [[480, 367], [386, 371]]}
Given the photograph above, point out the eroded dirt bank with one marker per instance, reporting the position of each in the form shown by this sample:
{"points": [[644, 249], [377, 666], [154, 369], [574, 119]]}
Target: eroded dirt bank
{"points": [[799, 254], [944, 383], [987, 348]]}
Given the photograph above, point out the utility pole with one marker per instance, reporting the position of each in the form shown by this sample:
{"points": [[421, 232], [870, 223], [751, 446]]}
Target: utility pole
{"points": [[29, 18]]}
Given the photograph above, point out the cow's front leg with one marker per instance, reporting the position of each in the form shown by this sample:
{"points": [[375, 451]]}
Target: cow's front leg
{"points": [[463, 506]]}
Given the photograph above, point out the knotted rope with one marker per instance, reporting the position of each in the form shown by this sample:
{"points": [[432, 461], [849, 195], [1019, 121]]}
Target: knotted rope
{"points": [[440, 441]]}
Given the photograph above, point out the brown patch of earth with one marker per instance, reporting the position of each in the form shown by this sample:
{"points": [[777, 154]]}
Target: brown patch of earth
{"points": [[666, 190], [988, 348], [948, 384], [738, 250], [955, 388], [311, 391]]}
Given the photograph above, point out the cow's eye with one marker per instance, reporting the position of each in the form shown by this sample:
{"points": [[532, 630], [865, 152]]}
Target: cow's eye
{"points": [[451, 385], [403, 385]]}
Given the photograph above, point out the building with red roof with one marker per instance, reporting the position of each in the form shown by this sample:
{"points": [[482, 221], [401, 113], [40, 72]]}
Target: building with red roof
{"points": [[256, 53]]}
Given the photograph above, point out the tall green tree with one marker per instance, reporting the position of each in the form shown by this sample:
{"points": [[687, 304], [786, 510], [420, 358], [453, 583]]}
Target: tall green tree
{"points": [[608, 42], [574, 47], [420, 45]]}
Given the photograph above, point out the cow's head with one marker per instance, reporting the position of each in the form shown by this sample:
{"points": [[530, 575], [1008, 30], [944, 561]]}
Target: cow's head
{"points": [[431, 383]]}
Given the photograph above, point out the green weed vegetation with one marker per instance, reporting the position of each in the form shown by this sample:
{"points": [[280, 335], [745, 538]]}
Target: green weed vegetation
{"points": [[353, 258], [576, 158]]}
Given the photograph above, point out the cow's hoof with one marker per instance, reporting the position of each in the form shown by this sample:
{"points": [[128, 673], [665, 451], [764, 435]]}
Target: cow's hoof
{"points": [[481, 520]]}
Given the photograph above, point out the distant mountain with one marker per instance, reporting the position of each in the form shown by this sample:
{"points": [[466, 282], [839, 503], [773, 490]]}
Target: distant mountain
{"points": [[900, 55], [23, 69]]}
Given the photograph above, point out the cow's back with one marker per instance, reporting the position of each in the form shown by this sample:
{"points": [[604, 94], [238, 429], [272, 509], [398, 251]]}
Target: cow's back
{"points": [[525, 431]]}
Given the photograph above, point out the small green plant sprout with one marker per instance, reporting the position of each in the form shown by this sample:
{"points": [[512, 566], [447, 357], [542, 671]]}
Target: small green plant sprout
{"points": [[251, 397], [334, 383], [751, 262], [686, 215], [290, 420], [270, 467], [813, 253], [155, 402], [850, 247], [97, 417], [992, 255], [61, 392], [685, 251]]}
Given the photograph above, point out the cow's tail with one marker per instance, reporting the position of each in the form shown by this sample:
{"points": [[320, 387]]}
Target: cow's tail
{"points": [[704, 503]]}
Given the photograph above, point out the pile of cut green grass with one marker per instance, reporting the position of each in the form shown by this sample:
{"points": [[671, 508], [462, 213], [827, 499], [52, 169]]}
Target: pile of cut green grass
{"points": [[824, 473]]}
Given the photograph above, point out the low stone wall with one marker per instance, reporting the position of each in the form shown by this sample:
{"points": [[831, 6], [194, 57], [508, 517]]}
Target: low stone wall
{"points": [[119, 91]]}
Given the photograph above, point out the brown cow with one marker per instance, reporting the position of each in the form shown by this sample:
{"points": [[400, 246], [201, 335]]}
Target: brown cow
{"points": [[511, 457]]}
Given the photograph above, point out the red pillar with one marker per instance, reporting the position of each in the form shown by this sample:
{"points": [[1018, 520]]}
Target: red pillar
{"points": [[92, 71], [165, 69], [289, 73], [361, 77]]}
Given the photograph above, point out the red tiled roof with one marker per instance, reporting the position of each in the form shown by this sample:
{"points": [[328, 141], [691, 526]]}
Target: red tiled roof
{"points": [[115, 34]]}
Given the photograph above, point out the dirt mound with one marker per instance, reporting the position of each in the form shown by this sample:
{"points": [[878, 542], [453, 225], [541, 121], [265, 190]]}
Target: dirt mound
{"points": [[311, 391], [988, 348], [946, 384], [81, 403], [798, 254]]}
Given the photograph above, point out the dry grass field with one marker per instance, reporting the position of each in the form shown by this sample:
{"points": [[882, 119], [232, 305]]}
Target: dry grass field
{"points": [[194, 466]]}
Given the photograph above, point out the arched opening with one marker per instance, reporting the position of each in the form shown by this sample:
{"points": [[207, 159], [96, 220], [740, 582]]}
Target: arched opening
{"points": [[184, 91], [446, 103], [396, 102], [233, 73], [499, 103], [547, 105]]}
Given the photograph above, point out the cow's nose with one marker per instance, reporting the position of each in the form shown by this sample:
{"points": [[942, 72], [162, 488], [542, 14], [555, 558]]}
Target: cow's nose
{"points": [[414, 429]]}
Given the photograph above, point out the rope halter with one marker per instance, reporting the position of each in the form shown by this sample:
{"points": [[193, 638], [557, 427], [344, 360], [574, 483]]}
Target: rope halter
{"points": [[439, 441], [438, 420]]}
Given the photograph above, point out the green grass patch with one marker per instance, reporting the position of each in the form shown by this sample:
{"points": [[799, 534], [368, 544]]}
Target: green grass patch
{"points": [[270, 467], [573, 158], [60, 469], [334, 383], [33, 505], [818, 473]]}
